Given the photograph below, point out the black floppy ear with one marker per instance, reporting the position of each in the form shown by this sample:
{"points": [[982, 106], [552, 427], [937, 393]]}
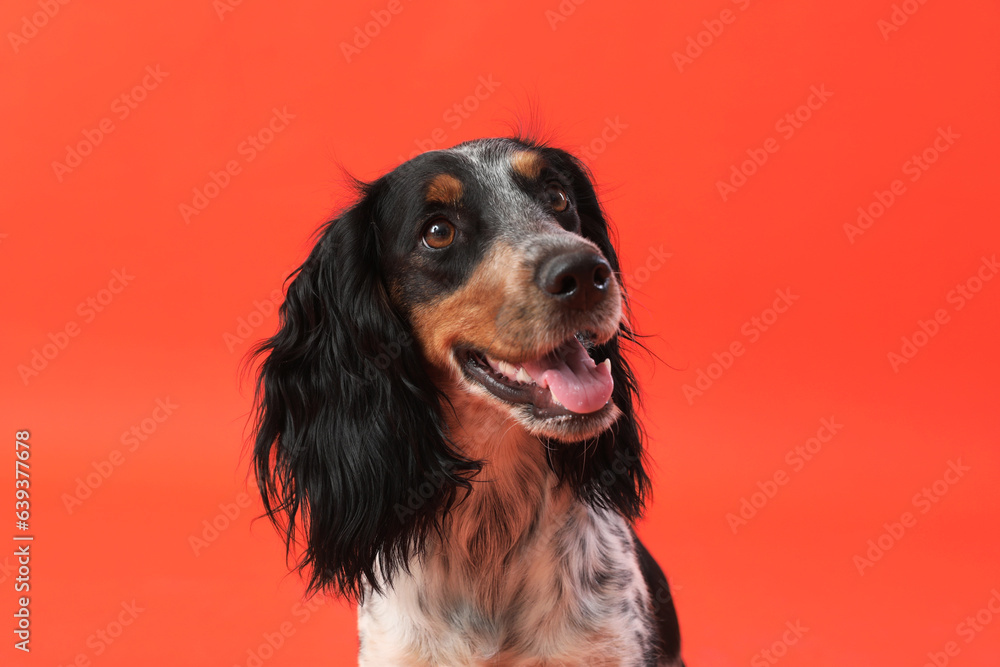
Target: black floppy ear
{"points": [[610, 471], [350, 453]]}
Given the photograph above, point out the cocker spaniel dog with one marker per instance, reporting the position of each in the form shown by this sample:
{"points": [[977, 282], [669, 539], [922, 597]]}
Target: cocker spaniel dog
{"points": [[445, 421]]}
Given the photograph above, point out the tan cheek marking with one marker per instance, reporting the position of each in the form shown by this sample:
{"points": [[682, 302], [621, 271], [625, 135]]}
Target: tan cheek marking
{"points": [[470, 313], [445, 189], [527, 163]]}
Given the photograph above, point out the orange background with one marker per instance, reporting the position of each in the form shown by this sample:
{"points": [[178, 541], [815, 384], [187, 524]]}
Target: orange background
{"points": [[672, 130]]}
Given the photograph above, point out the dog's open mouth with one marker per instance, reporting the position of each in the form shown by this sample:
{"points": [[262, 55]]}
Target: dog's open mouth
{"points": [[565, 381]]}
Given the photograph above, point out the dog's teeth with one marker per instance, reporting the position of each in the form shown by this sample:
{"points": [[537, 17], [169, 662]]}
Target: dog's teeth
{"points": [[522, 376], [507, 369], [556, 400], [607, 362]]}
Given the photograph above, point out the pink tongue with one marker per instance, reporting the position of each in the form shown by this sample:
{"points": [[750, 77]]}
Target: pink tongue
{"points": [[573, 378]]}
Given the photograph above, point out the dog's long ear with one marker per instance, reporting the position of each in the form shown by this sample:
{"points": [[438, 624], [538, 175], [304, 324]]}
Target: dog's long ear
{"points": [[350, 453], [610, 472]]}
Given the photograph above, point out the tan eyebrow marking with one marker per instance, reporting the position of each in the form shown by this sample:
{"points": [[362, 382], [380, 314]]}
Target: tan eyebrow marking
{"points": [[445, 189], [527, 163]]}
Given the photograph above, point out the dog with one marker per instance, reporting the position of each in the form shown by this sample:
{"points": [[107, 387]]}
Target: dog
{"points": [[445, 421]]}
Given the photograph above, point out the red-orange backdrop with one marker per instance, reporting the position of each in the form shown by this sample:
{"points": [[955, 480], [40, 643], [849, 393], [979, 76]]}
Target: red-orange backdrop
{"points": [[806, 203]]}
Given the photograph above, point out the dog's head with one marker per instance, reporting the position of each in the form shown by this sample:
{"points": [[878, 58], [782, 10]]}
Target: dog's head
{"points": [[493, 254], [485, 270]]}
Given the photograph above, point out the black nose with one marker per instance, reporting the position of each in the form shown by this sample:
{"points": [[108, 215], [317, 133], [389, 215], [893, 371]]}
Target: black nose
{"points": [[579, 278]]}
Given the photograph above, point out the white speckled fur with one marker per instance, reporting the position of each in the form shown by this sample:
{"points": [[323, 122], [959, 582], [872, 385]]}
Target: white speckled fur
{"points": [[524, 575]]}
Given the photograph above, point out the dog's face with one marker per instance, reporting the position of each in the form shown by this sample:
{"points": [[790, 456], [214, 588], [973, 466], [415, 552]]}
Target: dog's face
{"points": [[487, 256]]}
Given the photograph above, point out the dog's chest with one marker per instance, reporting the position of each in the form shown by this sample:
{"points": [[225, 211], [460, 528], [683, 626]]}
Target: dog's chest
{"points": [[569, 592]]}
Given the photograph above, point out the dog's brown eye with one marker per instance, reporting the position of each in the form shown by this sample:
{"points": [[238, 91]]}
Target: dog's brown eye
{"points": [[439, 233], [558, 199]]}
